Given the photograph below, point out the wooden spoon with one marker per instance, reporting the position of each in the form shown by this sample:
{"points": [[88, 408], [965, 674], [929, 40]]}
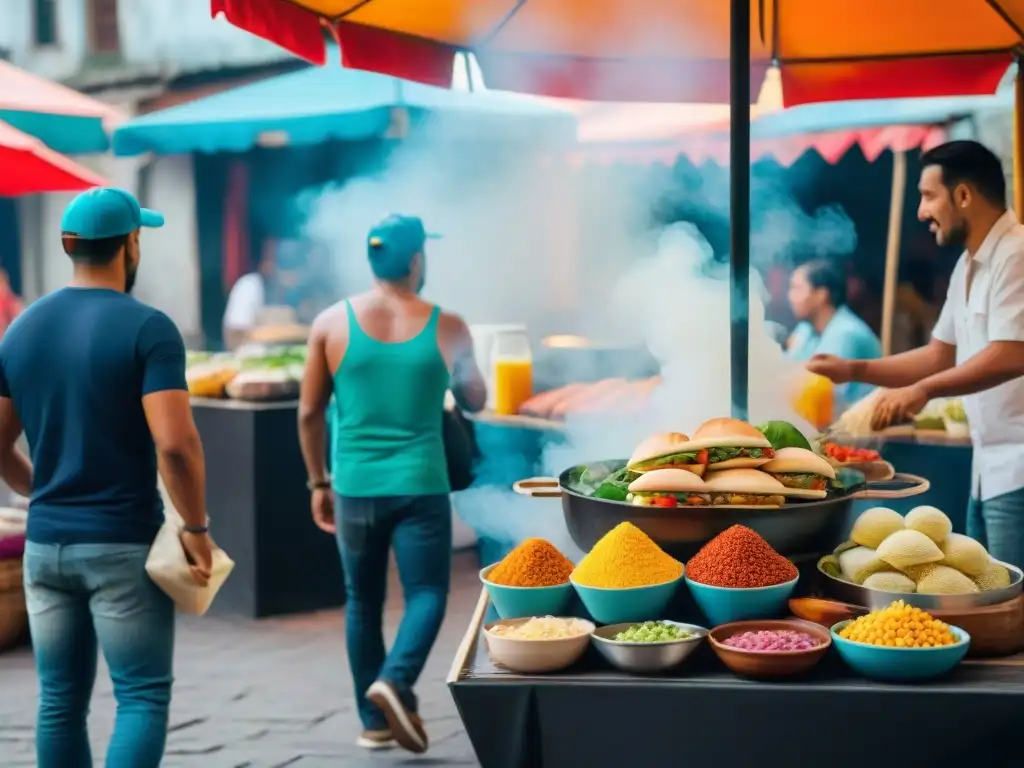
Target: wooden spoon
{"points": [[824, 612]]}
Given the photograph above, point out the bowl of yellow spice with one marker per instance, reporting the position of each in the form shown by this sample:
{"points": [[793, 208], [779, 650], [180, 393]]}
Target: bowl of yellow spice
{"points": [[900, 643], [532, 580], [626, 577]]}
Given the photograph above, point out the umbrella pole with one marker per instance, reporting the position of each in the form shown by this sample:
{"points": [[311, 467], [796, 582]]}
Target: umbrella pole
{"points": [[739, 204], [1018, 142], [892, 246]]}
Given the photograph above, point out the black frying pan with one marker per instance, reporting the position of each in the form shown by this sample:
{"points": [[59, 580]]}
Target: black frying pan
{"points": [[800, 528]]}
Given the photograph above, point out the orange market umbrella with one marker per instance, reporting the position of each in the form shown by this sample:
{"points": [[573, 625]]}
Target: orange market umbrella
{"points": [[684, 50], [30, 167], [652, 50]]}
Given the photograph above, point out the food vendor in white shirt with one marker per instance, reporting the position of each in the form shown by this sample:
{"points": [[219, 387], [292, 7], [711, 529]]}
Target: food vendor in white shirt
{"points": [[247, 300], [977, 347]]}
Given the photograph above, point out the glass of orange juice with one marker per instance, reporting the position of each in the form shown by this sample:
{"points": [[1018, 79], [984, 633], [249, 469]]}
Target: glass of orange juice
{"points": [[815, 400], [513, 372]]}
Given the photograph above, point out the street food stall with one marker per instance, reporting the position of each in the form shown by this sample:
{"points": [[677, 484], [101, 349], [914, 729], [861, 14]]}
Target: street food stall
{"points": [[721, 581], [245, 408]]}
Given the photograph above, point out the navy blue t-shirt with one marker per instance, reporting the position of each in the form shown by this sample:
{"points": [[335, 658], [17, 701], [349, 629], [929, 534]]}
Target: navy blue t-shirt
{"points": [[77, 364]]}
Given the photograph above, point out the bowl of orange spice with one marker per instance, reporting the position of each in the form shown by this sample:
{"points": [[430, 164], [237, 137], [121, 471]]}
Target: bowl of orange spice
{"points": [[532, 580]]}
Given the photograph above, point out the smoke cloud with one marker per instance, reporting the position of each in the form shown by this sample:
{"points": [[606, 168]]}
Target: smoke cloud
{"points": [[528, 238]]}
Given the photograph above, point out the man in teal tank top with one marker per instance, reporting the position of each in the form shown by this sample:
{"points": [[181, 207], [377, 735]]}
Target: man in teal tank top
{"points": [[388, 357]]}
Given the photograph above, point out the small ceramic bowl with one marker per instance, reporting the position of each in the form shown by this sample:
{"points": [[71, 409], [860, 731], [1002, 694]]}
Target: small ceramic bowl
{"points": [[769, 664], [517, 602], [879, 662], [536, 656], [723, 605], [631, 604], [646, 658]]}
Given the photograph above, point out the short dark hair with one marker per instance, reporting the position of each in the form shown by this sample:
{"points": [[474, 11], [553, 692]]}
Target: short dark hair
{"points": [[828, 274], [969, 162], [98, 253]]}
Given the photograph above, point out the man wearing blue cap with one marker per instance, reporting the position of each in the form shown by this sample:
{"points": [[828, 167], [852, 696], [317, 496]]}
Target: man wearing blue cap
{"points": [[388, 357], [97, 381]]}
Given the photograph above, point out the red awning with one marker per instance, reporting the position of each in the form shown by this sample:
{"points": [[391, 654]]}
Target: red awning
{"points": [[713, 144], [30, 167]]}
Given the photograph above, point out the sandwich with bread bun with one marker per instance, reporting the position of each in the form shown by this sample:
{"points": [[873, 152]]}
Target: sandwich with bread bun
{"points": [[745, 487], [668, 450], [669, 488], [804, 473], [732, 444]]}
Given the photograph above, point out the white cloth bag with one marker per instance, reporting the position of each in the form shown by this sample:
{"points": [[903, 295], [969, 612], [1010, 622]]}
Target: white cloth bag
{"points": [[168, 566]]}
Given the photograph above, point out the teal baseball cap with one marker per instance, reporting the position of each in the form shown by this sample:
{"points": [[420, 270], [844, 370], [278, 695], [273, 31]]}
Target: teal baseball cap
{"points": [[103, 212], [398, 236]]}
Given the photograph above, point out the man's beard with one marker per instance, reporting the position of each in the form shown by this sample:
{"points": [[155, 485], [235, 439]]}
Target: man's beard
{"points": [[129, 279], [957, 235]]}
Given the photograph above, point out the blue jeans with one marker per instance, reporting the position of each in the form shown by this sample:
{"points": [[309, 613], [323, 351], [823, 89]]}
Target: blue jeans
{"points": [[998, 524], [81, 598], [419, 530]]}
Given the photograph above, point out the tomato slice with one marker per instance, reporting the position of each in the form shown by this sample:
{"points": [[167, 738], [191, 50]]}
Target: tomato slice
{"points": [[768, 453], [664, 501], [702, 457]]}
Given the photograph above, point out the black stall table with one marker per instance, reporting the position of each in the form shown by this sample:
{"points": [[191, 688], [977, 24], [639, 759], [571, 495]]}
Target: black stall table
{"points": [[592, 715], [259, 511]]}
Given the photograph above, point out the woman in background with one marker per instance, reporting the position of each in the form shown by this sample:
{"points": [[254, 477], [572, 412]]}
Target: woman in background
{"points": [[817, 296]]}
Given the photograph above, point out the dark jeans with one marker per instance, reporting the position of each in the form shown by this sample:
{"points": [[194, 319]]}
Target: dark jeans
{"points": [[998, 524], [88, 597], [419, 530]]}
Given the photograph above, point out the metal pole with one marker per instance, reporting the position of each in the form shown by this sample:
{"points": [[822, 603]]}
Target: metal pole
{"points": [[739, 204]]}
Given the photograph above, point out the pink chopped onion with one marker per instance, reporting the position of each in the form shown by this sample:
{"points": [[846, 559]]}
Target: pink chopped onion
{"points": [[771, 641]]}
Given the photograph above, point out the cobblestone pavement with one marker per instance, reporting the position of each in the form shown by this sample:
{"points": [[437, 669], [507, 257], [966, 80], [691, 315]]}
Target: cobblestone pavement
{"points": [[266, 694]]}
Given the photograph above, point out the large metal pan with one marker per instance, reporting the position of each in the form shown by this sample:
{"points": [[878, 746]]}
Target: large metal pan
{"points": [[873, 599], [800, 529]]}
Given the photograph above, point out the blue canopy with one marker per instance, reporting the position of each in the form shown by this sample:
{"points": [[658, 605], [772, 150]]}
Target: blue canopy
{"points": [[840, 115], [322, 103]]}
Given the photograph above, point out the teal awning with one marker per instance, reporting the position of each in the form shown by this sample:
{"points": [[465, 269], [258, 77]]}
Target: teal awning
{"points": [[868, 113], [65, 120], [324, 103]]}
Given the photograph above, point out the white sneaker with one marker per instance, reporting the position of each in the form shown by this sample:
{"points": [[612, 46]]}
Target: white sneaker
{"points": [[376, 740]]}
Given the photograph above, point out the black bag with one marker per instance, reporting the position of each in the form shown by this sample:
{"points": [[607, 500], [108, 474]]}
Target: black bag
{"points": [[460, 448]]}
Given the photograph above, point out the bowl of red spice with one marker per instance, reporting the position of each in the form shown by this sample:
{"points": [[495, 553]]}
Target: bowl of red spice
{"points": [[738, 576], [767, 649], [532, 580]]}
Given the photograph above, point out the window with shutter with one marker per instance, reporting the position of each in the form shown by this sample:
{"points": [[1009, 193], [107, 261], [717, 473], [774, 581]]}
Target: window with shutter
{"points": [[103, 33], [44, 22]]}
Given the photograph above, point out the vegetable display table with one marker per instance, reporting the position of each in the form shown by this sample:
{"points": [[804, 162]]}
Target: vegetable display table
{"points": [[592, 715], [259, 511]]}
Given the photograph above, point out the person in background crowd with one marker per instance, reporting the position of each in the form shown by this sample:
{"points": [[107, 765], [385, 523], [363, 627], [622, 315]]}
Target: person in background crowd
{"points": [[913, 315], [97, 381], [977, 347], [247, 299], [11, 304], [817, 294], [388, 357]]}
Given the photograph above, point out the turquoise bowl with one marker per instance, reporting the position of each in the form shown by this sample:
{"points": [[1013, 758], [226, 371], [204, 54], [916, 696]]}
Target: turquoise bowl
{"points": [[617, 606], [899, 665], [520, 602], [724, 605]]}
